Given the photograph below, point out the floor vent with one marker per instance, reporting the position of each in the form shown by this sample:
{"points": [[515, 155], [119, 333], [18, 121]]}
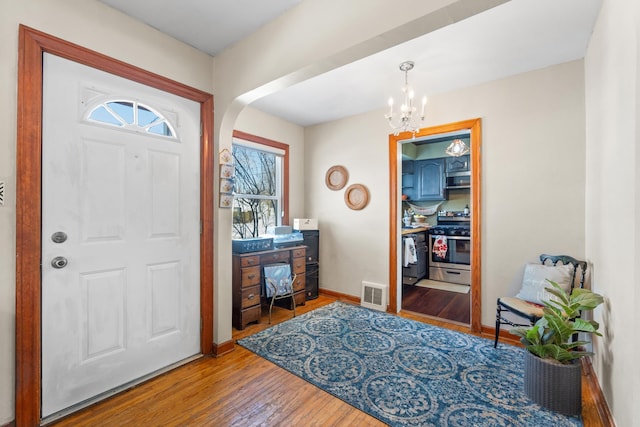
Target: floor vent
{"points": [[374, 295]]}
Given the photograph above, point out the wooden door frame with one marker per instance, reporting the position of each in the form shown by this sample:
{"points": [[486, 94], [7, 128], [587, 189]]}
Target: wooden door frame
{"points": [[473, 125], [32, 46]]}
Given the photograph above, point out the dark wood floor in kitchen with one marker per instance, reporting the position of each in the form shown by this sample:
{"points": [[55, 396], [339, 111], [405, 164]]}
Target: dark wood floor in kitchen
{"points": [[448, 305]]}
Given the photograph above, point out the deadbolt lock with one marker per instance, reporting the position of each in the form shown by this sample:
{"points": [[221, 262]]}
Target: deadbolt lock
{"points": [[59, 237]]}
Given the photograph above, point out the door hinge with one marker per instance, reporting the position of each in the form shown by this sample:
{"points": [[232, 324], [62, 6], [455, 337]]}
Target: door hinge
{"points": [[201, 128], [201, 227], [201, 324]]}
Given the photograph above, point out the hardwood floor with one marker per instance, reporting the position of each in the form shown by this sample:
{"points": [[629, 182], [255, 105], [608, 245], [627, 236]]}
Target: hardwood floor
{"points": [[241, 389], [437, 303]]}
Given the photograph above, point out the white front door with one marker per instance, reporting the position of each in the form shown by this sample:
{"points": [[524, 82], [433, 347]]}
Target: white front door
{"points": [[120, 221]]}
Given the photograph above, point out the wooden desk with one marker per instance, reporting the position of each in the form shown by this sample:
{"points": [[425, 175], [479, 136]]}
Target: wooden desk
{"points": [[248, 283]]}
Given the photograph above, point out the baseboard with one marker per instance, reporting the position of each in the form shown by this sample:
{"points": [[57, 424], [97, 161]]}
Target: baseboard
{"points": [[604, 413], [504, 337], [11, 424], [223, 348], [340, 296]]}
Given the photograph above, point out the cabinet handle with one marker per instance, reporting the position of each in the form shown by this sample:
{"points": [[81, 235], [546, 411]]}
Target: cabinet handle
{"points": [[251, 276], [250, 296]]}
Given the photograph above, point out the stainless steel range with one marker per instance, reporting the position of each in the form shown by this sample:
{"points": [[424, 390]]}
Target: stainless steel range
{"points": [[450, 248]]}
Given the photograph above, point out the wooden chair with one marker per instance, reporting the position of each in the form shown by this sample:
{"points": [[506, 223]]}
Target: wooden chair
{"points": [[278, 284], [524, 306]]}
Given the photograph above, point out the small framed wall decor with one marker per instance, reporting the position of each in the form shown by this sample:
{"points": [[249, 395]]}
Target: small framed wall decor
{"points": [[225, 157], [226, 200], [336, 177], [226, 185], [356, 197], [227, 171], [227, 175]]}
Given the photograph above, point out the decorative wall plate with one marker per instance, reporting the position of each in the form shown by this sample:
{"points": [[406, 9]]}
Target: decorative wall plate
{"points": [[356, 196], [336, 177]]}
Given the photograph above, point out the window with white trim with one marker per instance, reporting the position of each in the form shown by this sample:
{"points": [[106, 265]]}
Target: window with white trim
{"points": [[258, 197]]}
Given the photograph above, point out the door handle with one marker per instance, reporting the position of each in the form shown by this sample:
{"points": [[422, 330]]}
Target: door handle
{"points": [[59, 262]]}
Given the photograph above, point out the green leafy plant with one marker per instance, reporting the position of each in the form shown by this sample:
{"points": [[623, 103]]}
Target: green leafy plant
{"points": [[551, 336]]}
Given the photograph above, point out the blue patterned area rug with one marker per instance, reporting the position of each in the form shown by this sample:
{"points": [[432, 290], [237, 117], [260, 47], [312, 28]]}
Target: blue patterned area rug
{"points": [[403, 372]]}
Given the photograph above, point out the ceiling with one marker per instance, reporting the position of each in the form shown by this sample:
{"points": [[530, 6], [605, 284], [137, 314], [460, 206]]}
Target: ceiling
{"points": [[515, 37]]}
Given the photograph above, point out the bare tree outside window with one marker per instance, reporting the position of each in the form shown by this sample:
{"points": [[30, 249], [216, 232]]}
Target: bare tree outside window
{"points": [[257, 195]]}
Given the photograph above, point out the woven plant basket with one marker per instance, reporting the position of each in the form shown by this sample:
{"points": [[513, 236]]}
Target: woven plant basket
{"points": [[553, 385]]}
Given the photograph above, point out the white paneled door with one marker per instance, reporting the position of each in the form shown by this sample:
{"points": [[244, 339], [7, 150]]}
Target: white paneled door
{"points": [[120, 232]]}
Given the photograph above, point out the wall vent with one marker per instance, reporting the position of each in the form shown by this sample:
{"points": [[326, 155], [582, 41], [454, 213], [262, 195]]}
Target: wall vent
{"points": [[374, 295]]}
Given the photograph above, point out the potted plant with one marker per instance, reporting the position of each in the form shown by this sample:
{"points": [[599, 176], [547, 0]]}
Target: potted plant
{"points": [[552, 372]]}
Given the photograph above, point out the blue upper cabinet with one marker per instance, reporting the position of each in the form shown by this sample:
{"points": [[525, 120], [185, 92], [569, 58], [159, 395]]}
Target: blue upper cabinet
{"points": [[408, 187], [429, 179], [457, 164]]}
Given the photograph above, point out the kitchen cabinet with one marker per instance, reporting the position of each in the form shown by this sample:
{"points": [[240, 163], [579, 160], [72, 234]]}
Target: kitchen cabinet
{"points": [[414, 271], [458, 173], [457, 164], [429, 179], [408, 179]]}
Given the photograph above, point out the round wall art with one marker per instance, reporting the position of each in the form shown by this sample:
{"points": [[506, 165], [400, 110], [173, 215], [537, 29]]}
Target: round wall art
{"points": [[356, 196], [336, 177]]}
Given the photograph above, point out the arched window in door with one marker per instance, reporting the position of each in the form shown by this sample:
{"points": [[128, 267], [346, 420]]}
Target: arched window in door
{"points": [[132, 115]]}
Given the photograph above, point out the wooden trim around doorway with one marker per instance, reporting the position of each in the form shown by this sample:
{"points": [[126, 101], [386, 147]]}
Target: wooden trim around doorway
{"points": [[32, 45], [474, 125]]}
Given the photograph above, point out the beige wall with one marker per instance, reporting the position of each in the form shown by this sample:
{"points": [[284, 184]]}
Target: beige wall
{"points": [[92, 25], [295, 47], [612, 203], [533, 167]]}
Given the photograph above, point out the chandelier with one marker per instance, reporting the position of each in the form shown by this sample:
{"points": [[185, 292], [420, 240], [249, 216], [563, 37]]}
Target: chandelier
{"points": [[407, 120], [457, 148]]}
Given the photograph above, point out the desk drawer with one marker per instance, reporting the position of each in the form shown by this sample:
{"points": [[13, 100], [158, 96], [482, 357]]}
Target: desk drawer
{"points": [[300, 252], [250, 276], [282, 256], [299, 265], [299, 283], [248, 261], [250, 297]]}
